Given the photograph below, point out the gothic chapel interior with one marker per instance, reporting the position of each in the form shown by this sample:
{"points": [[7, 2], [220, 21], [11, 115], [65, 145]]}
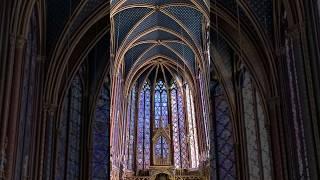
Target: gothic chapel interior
{"points": [[159, 89]]}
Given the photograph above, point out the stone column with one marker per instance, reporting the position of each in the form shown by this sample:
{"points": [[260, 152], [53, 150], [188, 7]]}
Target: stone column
{"points": [[13, 110], [47, 139]]}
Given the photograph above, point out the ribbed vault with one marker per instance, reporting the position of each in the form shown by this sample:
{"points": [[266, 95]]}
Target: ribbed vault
{"points": [[146, 31]]}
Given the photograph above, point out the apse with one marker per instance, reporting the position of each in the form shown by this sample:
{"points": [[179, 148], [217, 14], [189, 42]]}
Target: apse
{"points": [[158, 49]]}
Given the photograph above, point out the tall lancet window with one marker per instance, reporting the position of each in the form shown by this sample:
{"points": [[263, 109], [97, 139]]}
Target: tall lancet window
{"points": [[161, 105], [100, 135], [179, 128], [132, 122], [162, 143], [222, 147], [143, 131], [68, 145], [257, 137], [192, 136]]}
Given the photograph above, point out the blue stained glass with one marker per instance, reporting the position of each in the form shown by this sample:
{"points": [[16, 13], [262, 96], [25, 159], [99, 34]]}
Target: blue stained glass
{"points": [[131, 116], [100, 136], [143, 139], [162, 148], [179, 131], [161, 105], [222, 145]]}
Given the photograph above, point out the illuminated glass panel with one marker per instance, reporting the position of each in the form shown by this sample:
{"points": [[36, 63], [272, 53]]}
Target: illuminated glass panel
{"points": [[131, 116], [161, 105], [193, 137], [224, 164], [162, 148], [143, 139], [179, 128]]}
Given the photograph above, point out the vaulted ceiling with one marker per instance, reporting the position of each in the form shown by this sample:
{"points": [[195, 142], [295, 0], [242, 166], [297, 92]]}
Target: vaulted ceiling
{"points": [[146, 33], [170, 33]]}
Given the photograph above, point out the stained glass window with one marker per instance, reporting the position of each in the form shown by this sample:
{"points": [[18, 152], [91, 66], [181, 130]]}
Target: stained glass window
{"points": [[131, 120], [179, 128], [143, 139], [257, 138], [68, 165], [193, 137], [100, 136], [162, 148], [222, 146], [161, 105], [180, 146]]}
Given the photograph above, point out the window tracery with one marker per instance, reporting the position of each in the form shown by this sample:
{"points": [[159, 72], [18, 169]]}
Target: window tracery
{"points": [[161, 105], [143, 138], [222, 142], [257, 138], [179, 128], [132, 122], [165, 134]]}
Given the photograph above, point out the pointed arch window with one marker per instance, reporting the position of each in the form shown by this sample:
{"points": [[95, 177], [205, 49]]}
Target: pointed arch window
{"points": [[193, 137], [162, 148], [161, 105], [179, 128], [143, 134], [100, 136], [222, 145], [132, 122], [68, 160], [256, 134]]}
